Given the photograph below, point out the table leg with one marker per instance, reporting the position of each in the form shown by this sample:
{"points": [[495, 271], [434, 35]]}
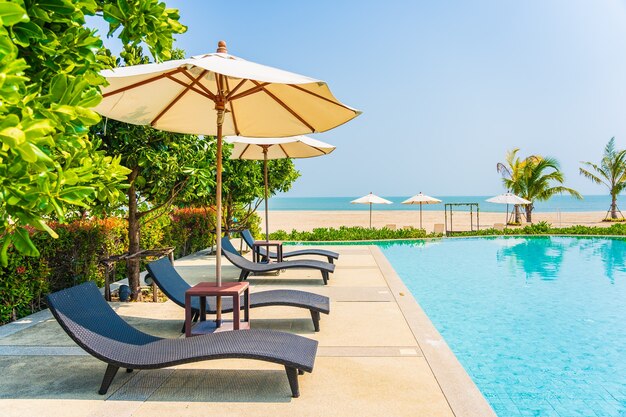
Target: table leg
{"points": [[187, 315], [236, 310], [246, 305], [202, 308]]}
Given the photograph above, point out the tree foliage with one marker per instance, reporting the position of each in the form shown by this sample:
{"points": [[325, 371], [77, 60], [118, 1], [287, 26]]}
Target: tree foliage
{"points": [[611, 172], [243, 186], [49, 80], [165, 168], [535, 178]]}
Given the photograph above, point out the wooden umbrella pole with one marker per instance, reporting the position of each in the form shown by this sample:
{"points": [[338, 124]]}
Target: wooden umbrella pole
{"points": [[370, 215], [420, 215], [267, 224]]}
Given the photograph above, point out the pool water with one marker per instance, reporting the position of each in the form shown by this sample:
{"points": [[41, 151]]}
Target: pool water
{"points": [[539, 323]]}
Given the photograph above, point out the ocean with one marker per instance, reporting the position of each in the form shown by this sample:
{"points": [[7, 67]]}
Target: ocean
{"points": [[562, 203]]}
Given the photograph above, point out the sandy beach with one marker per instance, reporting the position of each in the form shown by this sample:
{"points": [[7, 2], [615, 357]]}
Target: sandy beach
{"points": [[308, 220]]}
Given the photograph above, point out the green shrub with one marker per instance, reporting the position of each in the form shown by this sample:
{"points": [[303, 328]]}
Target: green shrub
{"points": [[350, 233], [74, 257]]}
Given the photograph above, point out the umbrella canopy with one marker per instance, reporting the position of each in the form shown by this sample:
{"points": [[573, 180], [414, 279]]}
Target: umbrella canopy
{"points": [[421, 199], [220, 94], [371, 199], [508, 198], [276, 148]]}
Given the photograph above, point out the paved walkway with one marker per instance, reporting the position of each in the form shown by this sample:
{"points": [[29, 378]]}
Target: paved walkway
{"points": [[378, 355]]}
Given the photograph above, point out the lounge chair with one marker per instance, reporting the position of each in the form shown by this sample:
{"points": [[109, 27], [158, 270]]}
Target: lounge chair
{"points": [[174, 286], [330, 255], [247, 267], [89, 320]]}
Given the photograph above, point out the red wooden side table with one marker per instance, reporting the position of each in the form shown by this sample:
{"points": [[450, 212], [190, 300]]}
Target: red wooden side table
{"points": [[208, 289], [256, 249]]}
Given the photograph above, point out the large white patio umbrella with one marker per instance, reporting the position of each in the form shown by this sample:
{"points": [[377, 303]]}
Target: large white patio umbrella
{"points": [[508, 198], [371, 199], [220, 94], [421, 199], [276, 148]]}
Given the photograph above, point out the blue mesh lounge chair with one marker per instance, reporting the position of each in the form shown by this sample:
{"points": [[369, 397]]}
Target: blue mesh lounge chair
{"points": [[247, 267], [174, 286], [330, 255], [89, 320]]}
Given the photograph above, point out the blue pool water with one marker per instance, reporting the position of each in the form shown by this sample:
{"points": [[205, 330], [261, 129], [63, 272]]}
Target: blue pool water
{"points": [[539, 323]]}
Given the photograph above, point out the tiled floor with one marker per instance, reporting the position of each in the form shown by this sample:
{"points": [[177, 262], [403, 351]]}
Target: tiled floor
{"points": [[378, 355]]}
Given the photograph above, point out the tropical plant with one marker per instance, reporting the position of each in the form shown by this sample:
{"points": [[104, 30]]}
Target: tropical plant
{"points": [[243, 187], [611, 172], [165, 169], [49, 79], [534, 179], [511, 171]]}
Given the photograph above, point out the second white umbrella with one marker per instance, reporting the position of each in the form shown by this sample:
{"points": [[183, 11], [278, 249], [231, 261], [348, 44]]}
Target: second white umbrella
{"points": [[371, 199], [421, 199], [508, 198]]}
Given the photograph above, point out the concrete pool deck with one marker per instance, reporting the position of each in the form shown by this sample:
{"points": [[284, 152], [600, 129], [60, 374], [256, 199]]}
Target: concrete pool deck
{"points": [[378, 355]]}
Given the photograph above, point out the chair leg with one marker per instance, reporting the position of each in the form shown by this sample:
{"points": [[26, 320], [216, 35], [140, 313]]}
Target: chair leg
{"points": [[109, 374], [325, 277], [315, 315], [243, 275], [292, 376]]}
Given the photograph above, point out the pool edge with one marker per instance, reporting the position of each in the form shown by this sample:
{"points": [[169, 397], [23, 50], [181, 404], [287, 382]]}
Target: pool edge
{"points": [[462, 394]]}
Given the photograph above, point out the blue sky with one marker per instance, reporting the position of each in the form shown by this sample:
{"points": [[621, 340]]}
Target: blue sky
{"points": [[446, 87]]}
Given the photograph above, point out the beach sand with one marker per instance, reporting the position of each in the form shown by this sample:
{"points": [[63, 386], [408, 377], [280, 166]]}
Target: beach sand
{"points": [[308, 220]]}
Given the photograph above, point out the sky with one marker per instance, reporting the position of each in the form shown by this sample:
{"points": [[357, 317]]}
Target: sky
{"points": [[446, 87]]}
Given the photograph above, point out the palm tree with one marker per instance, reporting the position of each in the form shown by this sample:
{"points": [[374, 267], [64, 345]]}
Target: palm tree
{"points": [[512, 171], [611, 172], [533, 178]]}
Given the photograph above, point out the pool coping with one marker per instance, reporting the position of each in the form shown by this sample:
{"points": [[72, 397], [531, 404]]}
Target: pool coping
{"points": [[460, 391]]}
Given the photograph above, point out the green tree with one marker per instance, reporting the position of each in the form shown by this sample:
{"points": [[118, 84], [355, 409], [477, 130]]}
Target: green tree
{"points": [[49, 80], [535, 178], [243, 187], [511, 171], [611, 172], [165, 169]]}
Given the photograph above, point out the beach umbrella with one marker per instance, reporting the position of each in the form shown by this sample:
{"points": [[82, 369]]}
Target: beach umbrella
{"points": [[421, 199], [220, 94], [276, 148], [370, 199], [508, 198]]}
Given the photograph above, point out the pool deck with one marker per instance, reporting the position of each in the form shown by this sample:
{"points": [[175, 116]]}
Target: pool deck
{"points": [[379, 354]]}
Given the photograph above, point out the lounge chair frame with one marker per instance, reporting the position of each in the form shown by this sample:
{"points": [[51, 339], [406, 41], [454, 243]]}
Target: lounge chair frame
{"points": [[174, 286], [248, 267], [89, 320]]}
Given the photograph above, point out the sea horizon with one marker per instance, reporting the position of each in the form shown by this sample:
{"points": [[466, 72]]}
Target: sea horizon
{"points": [[562, 203]]}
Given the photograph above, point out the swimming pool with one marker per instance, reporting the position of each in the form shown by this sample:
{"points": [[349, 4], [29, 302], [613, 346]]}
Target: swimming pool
{"points": [[539, 323]]}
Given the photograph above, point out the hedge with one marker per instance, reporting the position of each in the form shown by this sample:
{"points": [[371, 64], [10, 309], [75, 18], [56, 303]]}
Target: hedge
{"points": [[74, 256]]}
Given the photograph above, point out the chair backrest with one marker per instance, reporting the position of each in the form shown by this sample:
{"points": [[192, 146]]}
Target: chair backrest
{"points": [[247, 237], [233, 256], [91, 322], [169, 280]]}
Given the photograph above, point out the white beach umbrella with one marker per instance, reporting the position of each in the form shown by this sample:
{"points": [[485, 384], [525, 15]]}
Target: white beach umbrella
{"points": [[276, 148], [421, 199], [370, 199], [508, 198], [220, 94]]}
